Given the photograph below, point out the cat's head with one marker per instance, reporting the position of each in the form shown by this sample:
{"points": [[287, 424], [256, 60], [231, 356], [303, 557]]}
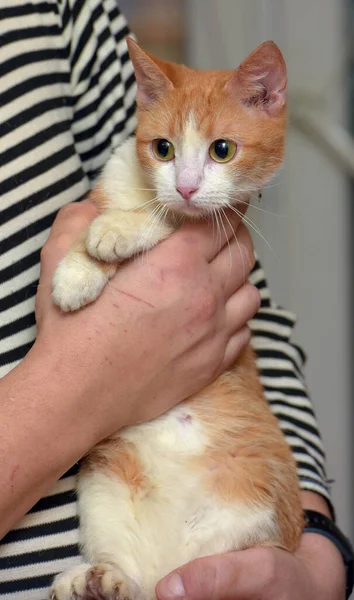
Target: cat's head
{"points": [[205, 138]]}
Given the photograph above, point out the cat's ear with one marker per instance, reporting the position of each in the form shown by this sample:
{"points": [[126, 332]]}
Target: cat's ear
{"points": [[261, 80], [151, 80]]}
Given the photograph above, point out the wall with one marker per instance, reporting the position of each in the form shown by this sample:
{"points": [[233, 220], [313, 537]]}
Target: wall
{"points": [[310, 232]]}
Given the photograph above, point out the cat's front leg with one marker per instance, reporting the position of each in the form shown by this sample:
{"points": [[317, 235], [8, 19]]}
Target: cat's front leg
{"points": [[102, 582], [116, 235], [79, 279]]}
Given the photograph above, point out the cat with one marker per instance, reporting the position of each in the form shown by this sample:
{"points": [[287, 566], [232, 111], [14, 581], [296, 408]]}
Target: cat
{"points": [[214, 474]]}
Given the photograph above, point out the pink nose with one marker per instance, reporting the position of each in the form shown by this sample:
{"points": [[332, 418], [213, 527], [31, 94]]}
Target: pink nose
{"points": [[186, 191]]}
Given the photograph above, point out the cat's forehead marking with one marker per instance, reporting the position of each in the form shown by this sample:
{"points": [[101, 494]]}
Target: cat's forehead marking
{"points": [[190, 133]]}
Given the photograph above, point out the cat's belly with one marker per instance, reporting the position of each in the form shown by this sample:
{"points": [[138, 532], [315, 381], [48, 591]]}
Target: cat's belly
{"points": [[152, 512]]}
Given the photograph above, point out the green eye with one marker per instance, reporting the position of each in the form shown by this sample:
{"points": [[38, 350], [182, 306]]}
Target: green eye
{"points": [[163, 149], [222, 150]]}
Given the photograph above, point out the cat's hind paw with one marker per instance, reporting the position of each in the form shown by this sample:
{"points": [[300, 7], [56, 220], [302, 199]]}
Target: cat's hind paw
{"points": [[70, 585], [101, 582], [78, 280]]}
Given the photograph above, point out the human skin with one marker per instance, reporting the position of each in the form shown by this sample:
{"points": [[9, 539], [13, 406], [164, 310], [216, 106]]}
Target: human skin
{"points": [[78, 383]]}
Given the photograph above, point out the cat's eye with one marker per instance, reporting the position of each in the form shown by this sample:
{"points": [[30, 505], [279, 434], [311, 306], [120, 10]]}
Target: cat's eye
{"points": [[163, 149], [222, 150]]}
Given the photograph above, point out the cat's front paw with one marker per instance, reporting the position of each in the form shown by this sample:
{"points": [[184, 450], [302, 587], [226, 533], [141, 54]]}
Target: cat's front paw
{"points": [[78, 281], [111, 240], [101, 582]]}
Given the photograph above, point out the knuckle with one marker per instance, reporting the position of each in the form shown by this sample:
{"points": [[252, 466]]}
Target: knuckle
{"points": [[78, 214], [186, 246], [205, 305], [269, 566], [68, 210], [246, 246], [46, 250], [57, 243], [254, 296], [246, 336], [249, 257], [183, 264]]}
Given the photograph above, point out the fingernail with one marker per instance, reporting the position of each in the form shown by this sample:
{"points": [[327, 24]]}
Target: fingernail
{"points": [[171, 587]]}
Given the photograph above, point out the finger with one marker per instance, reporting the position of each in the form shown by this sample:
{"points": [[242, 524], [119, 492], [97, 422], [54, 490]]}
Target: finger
{"points": [[241, 307], [211, 237], [74, 218], [235, 262], [235, 345], [246, 575], [211, 577]]}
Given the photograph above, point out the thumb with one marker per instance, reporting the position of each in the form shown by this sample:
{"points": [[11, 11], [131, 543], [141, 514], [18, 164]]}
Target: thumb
{"points": [[209, 578]]}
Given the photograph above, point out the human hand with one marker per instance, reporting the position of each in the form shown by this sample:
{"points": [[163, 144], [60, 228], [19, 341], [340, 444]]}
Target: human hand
{"points": [[160, 331], [314, 572]]}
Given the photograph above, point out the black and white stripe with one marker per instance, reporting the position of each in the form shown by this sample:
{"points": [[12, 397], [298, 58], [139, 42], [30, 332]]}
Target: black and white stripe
{"points": [[67, 97], [280, 363]]}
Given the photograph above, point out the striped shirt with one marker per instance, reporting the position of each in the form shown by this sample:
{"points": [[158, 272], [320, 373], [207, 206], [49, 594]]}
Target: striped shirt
{"points": [[67, 98]]}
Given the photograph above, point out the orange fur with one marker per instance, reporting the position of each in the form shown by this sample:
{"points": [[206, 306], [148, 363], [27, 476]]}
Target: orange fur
{"points": [[118, 457], [247, 457], [218, 113], [99, 198], [235, 454]]}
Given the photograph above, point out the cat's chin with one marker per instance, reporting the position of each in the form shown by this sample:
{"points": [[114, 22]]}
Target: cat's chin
{"points": [[191, 212]]}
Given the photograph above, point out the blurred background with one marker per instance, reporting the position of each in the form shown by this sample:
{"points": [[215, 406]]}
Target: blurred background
{"points": [[309, 269]]}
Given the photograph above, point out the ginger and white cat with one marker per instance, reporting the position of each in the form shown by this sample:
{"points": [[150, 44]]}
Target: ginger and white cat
{"points": [[214, 474]]}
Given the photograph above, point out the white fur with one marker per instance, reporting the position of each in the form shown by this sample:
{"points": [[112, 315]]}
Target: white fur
{"points": [[123, 180], [113, 236], [77, 281], [149, 533], [194, 167], [136, 537]]}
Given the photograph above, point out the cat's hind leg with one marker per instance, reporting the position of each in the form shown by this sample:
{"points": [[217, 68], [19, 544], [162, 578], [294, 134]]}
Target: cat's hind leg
{"points": [[98, 582]]}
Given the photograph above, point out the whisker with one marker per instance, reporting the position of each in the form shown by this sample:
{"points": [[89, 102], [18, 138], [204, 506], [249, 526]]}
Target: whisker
{"points": [[141, 206], [128, 187], [228, 242], [157, 216], [218, 228], [213, 222], [247, 219], [239, 247], [255, 228], [259, 208]]}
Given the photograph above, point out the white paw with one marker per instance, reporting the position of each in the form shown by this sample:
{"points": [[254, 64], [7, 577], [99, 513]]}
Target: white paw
{"points": [[102, 581], [70, 585], [110, 241], [78, 281]]}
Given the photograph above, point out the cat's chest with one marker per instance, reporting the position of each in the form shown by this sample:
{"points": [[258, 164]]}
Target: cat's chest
{"points": [[178, 432]]}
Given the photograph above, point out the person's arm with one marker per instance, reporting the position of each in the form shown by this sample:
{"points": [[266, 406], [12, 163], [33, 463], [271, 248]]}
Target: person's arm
{"points": [[78, 383]]}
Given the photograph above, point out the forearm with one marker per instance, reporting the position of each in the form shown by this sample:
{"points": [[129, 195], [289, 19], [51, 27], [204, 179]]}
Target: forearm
{"points": [[320, 556], [311, 501], [44, 430]]}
